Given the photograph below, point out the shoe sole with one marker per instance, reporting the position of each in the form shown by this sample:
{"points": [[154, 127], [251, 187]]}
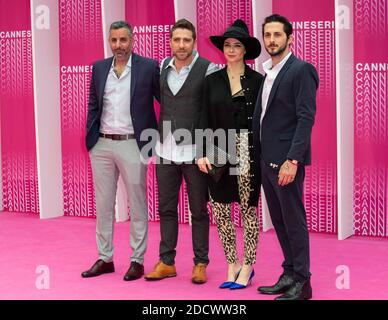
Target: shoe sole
{"points": [[307, 298], [198, 282], [271, 293], [132, 278], [96, 275], [156, 279]]}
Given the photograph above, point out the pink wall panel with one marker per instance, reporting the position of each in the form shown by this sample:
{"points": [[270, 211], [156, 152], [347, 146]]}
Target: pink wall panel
{"points": [[81, 43], [213, 17], [371, 117], [151, 22], [19, 168], [315, 42]]}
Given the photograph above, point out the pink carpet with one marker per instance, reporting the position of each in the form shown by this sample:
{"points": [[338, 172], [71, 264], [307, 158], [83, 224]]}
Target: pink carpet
{"points": [[67, 247]]}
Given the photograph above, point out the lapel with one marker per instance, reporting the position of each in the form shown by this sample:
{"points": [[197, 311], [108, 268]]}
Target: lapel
{"points": [[225, 77], [261, 90], [104, 76], [279, 77], [163, 77], [134, 73]]}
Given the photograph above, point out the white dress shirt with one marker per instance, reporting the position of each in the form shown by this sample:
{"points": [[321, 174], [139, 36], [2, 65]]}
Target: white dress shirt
{"points": [[116, 111], [169, 149], [272, 72]]}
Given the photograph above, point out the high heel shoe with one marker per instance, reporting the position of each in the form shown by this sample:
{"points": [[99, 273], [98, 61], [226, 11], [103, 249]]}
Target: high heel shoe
{"points": [[228, 284], [236, 286]]}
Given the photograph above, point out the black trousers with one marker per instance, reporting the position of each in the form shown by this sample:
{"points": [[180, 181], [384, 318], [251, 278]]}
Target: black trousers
{"points": [[169, 179], [288, 216]]}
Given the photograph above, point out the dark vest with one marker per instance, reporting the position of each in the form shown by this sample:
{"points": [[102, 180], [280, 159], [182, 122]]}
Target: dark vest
{"points": [[183, 110]]}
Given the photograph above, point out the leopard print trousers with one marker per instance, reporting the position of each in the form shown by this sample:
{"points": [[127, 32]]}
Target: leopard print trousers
{"points": [[222, 211]]}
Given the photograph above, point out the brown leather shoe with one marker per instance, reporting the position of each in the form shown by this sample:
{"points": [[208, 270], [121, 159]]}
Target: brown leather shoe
{"points": [[99, 268], [199, 273], [161, 271], [135, 271]]}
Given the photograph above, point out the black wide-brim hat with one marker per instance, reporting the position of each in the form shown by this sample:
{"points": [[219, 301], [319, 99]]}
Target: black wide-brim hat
{"points": [[239, 30]]}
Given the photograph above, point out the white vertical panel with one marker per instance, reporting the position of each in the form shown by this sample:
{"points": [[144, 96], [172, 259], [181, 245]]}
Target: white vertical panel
{"points": [[114, 11], [186, 9], [260, 10], [45, 53], [345, 115]]}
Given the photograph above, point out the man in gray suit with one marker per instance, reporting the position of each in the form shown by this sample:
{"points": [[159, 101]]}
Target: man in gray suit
{"points": [[121, 106]]}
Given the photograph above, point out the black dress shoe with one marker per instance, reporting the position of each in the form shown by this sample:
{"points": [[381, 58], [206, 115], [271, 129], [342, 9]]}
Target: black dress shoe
{"points": [[135, 271], [284, 283], [298, 291], [99, 268]]}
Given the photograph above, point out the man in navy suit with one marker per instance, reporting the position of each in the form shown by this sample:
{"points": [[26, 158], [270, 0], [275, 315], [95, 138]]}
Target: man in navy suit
{"points": [[121, 106], [283, 120]]}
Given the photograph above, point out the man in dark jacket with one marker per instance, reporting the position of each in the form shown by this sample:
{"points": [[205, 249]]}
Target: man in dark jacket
{"points": [[283, 120], [121, 106]]}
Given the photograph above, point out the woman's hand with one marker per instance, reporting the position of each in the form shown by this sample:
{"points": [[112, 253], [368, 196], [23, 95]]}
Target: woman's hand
{"points": [[204, 164]]}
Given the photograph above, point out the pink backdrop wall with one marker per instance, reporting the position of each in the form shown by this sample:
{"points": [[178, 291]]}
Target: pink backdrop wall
{"points": [[213, 17], [371, 117], [81, 43], [314, 42], [151, 22], [19, 168]]}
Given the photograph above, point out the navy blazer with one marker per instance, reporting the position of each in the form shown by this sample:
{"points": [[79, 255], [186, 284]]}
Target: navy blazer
{"points": [[144, 87], [289, 117]]}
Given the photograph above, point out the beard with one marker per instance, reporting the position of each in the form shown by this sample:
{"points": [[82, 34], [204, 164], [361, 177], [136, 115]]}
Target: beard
{"points": [[183, 55], [277, 52], [122, 54]]}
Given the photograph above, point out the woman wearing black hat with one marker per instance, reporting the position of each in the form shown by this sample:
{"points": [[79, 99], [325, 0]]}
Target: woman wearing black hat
{"points": [[230, 96]]}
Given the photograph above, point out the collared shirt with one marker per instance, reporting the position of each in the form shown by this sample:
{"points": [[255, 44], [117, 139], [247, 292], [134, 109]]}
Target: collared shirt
{"points": [[169, 149], [272, 72], [116, 111]]}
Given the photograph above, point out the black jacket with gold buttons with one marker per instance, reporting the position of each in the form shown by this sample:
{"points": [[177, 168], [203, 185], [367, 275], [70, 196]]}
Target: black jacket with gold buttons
{"points": [[219, 113]]}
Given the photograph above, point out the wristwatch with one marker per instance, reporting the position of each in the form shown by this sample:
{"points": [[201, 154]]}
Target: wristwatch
{"points": [[295, 162]]}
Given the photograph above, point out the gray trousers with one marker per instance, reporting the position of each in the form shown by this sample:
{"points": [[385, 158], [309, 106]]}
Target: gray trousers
{"points": [[110, 158]]}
